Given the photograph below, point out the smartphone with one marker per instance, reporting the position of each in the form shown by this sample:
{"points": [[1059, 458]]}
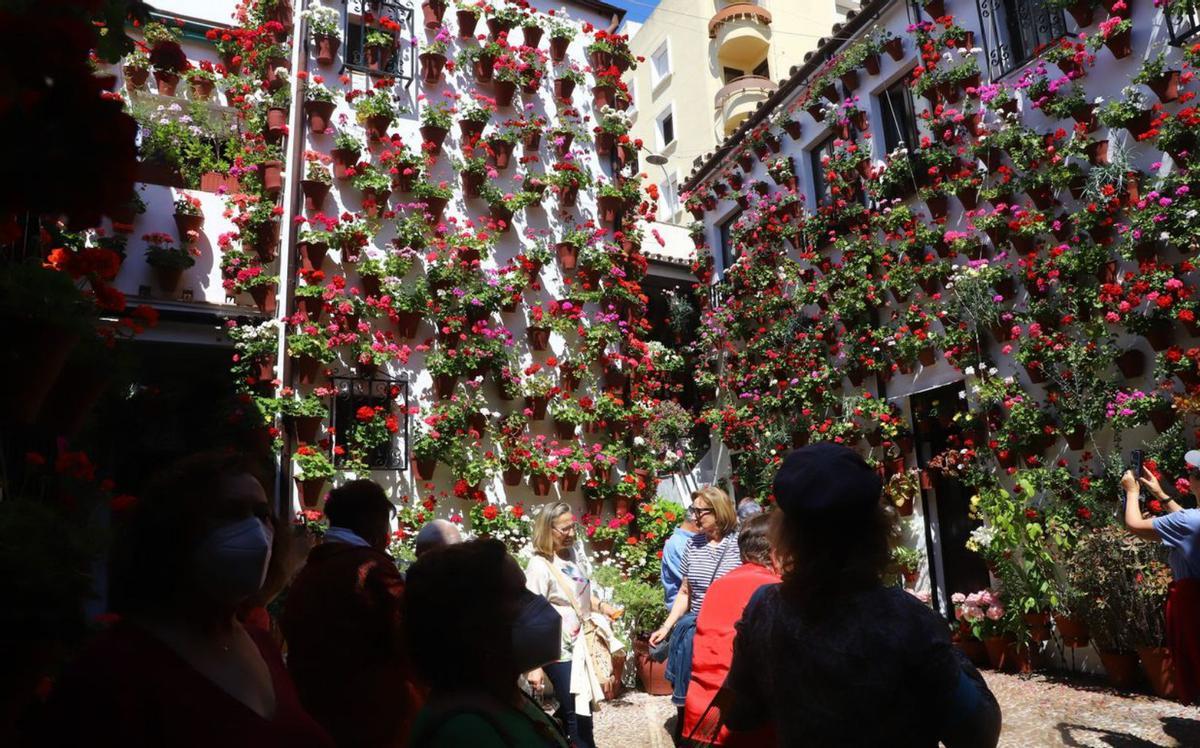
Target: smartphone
{"points": [[1136, 457]]}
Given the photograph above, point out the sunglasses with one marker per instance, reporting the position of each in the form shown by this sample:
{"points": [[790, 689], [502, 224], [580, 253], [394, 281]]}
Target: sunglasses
{"points": [[698, 512]]}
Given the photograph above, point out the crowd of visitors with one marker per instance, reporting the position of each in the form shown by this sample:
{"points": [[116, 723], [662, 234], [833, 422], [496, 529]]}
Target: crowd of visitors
{"points": [[780, 630]]}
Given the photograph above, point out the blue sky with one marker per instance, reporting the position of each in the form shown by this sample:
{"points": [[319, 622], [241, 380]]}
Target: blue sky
{"points": [[635, 10]]}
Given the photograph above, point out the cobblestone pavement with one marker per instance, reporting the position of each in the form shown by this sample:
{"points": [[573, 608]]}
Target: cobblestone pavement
{"points": [[1038, 711]]}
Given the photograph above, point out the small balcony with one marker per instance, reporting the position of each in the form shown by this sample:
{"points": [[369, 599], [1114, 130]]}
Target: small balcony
{"points": [[738, 99], [742, 33]]}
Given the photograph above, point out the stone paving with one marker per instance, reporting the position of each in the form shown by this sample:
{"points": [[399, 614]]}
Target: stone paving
{"points": [[1039, 710]]}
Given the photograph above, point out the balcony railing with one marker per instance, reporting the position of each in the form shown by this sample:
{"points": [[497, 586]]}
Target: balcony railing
{"points": [[1182, 24], [741, 96], [1014, 29], [736, 11]]}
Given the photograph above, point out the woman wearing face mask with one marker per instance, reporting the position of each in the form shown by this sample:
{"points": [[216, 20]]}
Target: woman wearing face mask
{"points": [[178, 668], [472, 629], [553, 574]]}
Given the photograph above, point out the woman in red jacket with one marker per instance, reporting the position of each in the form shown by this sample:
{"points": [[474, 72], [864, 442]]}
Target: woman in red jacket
{"points": [[712, 649]]}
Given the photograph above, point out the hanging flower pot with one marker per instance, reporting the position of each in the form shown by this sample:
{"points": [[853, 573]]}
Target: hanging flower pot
{"points": [[1166, 86], [276, 121], [497, 26], [603, 96], [558, 48], [343, 160], [472, 181], [310, 308], [306, 369], [318, 113], [935, 8], [1159, 668], [272, 176], [538, 337], [1160, 335], [310, 490], [433, 11], [871, 63], [1162, 418], [135, 77], [1074, 632], [894, 47], [264, 298], [938, 206], [484, 69], [187, 224], [375, 201], [265, 241], [303, 428], [1120, 668], [532, 140], [567, 255], [502, 216], [1120, 43], [314, 193], [849, 80], [537, 405], [600, 59], [540, 484], [564, 89], [1076, 438], [605, 142], [564, 430], [467, 21], [433, 135], [432, 65], [501, 152], [532, 35], [406, 325], [377, 126], [792, 128], [166, 81], [1083, 11], [201, 89], [512, 476], [505, 91], [443, 385], [378, 56], [609, 207], [327, 49], [425, 468], [816, 111]]}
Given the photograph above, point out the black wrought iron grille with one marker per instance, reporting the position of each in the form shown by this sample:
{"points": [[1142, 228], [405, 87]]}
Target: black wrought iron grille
{"points": [[1182, 23], [403, 64], [1014, 30], [352, 393]]}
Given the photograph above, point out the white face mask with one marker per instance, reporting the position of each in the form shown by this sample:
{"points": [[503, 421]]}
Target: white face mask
{"points": [[231, 562]]}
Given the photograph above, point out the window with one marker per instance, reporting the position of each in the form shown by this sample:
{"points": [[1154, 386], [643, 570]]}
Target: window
{"points": [[1014, 30], [731, 74], [899, 122], [820, 186], [668, 199], [763, 70], [660, 63], [728, 254], [666, 128]]}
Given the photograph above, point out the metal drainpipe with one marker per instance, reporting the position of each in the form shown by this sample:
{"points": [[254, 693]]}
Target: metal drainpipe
{"points": [[293, 163]]}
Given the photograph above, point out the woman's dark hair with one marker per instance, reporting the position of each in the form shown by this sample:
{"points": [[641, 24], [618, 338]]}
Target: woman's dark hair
{"points": [[459, 607], [834, 553], [150, 560], [754, 539]]}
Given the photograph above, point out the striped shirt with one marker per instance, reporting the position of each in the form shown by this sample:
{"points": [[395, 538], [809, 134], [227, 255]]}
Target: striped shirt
{"points": [[707, 562]]}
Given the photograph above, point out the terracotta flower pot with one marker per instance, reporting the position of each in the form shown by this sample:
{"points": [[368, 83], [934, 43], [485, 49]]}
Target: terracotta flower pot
{"points": [[135, 77], [501, 153], [432, 65], [310, 309], [537, 406], [467, 21], [1083, 11], [343, 159], [303, 428], [378, 57], [1039, 626], [306, 369], [472, 182], [1159, 668], [433, 11], [425, 468], [434, 135], [998, 658], [377, 126], [483, 70], [540, 484], [310, 490], [505, 91], [272, 176], [1120, 44], [201, 89], [558, 48], [314, 194], [264, 298], [327, 49], [603, 96], [186, 224], [609, 207], [1120, 668], [1073, 631], [166, 81], [435, 207], [651, 674], [935, 8], [406, 325]]}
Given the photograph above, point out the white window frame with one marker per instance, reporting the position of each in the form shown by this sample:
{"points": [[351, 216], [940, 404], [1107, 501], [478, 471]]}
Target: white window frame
{"points": [[668, 192], [655, 79], [668, 111]]}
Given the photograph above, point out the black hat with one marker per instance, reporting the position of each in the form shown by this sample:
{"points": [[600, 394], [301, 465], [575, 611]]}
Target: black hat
{"points": [[825, 477]]}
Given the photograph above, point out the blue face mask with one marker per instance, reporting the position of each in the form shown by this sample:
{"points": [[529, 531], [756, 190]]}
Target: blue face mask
{"points": [[536, 633], [231, 562]]}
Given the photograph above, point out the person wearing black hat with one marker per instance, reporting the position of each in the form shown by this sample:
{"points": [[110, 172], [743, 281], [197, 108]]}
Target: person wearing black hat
{"points": [[1179, 531], [831, 656]]}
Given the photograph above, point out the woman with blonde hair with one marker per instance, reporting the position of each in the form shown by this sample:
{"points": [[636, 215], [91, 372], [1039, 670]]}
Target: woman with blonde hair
{"points": [[584, 667], [712, 554]]}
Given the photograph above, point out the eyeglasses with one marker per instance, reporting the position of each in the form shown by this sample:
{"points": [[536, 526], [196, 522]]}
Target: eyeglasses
{"points": [[567, 528], [699, 511]]}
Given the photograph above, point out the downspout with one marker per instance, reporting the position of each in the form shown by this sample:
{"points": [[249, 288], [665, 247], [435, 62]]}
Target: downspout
{"points": [[293, 164]]}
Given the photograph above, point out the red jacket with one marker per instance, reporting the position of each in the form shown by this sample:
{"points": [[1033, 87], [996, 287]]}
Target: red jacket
{"points": [[712, 651], [342, 622]]}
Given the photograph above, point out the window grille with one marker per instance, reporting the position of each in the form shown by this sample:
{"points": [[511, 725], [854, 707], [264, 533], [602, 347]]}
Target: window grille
{"points": [[1014, 30], [352, 393]]}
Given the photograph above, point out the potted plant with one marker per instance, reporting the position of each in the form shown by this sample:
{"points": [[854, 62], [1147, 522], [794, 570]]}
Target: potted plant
{"points": [[562, 32], [375, 111], [467, 13], [313, 469], [375, 187], [378, 47], [201, 80], [136, 68], [433, 57], [324, 29], [318, 104], [434, 196], [167, 261], [435, 124], [309, 349]]}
